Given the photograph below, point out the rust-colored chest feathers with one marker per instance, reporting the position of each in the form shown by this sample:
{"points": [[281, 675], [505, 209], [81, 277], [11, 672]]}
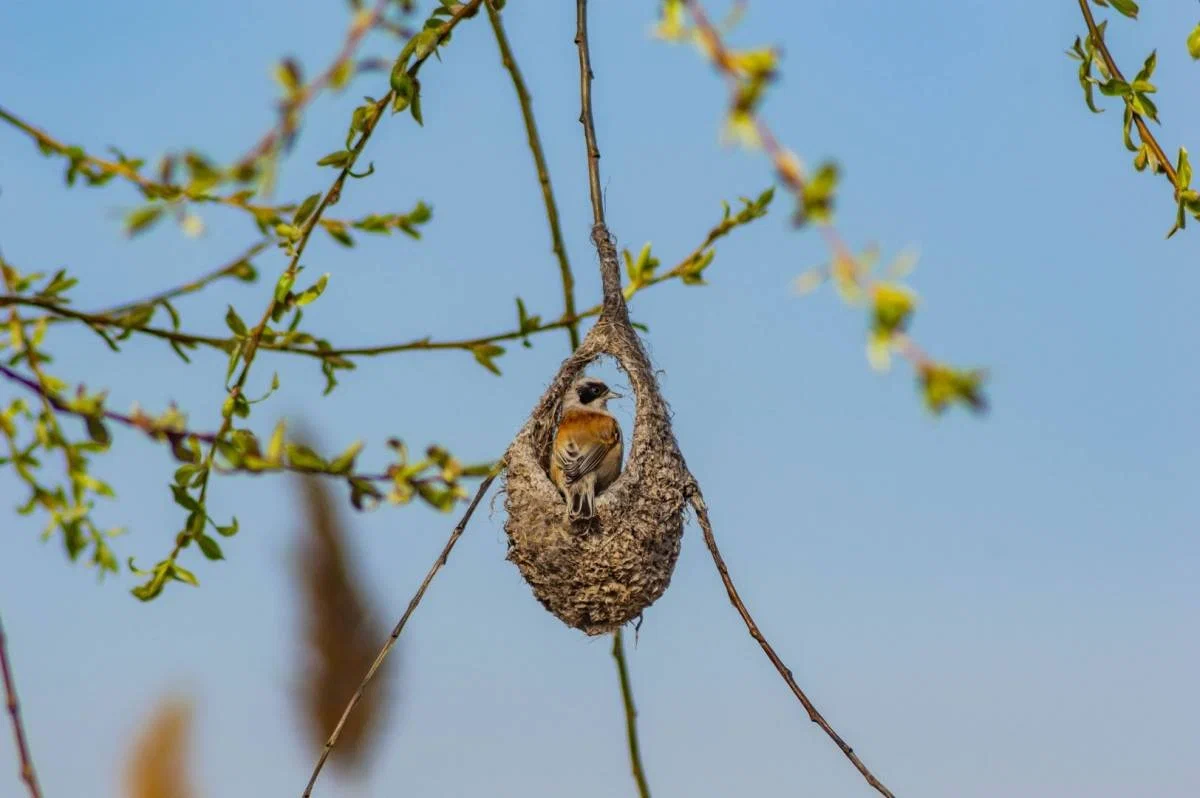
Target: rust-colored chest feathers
{"points": [[587, 457]]}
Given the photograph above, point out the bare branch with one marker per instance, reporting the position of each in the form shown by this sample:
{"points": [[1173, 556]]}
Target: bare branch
{"points": [[28, 774], [697, 500], [391, 641], [543, 172], [631, 732], [585, 112]]}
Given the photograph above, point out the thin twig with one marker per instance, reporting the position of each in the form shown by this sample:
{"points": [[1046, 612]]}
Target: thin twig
{"points": [[391, 641], [610, 270], [635, 753], [166, 295], [191, 286], [95, 168], [176, 437], [110, 318], [585, 111], [543, 171], [1143, 129], [28, 774], [359, 25], [697, 500]]}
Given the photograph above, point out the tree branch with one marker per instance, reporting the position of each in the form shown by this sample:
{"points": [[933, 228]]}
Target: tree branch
{"points": [[395, 635], [585, 112], [177, 436], [28, 774], [543, 172], [1143, 129], [111, 317], [631, 732], [697, 501]]}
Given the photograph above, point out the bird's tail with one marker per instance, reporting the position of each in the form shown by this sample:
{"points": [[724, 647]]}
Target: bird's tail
{"points": [[581, 498]]}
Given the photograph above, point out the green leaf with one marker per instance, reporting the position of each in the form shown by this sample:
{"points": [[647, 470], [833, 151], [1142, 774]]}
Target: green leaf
{"points": [[304, 458], [1127, 7], [284, 285], [234, 322], [230, 530], [337, 159], [182, 574], [139, 220], [345, 461], [1115, 88], [209, 547], [485, 354], [184, 500], [312, 292], [306, 208], [97, 431]]}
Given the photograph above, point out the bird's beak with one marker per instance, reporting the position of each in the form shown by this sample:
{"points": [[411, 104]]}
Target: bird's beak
{"points": [[614, 395]]}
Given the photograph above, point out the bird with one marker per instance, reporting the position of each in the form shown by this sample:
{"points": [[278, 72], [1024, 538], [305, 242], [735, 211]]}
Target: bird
{"points": [[587, 446]]}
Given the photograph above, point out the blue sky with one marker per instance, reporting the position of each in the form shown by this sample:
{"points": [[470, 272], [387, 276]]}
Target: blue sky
{"points": [[986, 607]]}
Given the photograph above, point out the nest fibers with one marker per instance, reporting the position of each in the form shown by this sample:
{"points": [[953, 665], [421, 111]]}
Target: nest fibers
{"points": [[598, 574]]}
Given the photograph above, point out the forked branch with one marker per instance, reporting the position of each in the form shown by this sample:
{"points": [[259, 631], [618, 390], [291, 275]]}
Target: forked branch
{"points": [[28, 774], [697, 499]]}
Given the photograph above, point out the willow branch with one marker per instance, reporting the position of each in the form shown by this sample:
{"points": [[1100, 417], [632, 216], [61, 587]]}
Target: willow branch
{"points": [[697, 501], [100, 169], [631, 732], [229, 269], [361, 23], [1143, 129], [111, 319], [28, 774], [177, 436], [543, 171], [24, 344], [395, 635]]}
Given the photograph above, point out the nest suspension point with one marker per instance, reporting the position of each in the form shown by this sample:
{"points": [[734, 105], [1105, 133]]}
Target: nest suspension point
{"points": [[598, 575]]}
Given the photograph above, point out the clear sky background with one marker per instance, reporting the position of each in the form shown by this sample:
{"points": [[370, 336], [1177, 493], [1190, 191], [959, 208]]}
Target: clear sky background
{"points": [[983, 607]]}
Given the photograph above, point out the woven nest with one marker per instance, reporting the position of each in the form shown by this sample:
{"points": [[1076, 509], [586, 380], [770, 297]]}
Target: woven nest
{"points": [[599, 574]]}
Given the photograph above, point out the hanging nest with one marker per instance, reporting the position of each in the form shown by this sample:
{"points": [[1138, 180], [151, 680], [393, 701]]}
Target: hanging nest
{"points": [[599, 574]]}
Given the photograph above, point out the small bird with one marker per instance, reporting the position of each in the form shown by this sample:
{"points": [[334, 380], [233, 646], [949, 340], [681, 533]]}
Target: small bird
{"points": [[587, 446]]}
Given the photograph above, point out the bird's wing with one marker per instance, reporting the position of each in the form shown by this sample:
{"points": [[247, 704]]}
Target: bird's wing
{"points": [[584, 441]]}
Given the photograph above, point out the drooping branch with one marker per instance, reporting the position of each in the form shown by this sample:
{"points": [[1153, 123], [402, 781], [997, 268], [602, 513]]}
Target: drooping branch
{"points": [[631, 732], [395, 635], [684, 270], [543, 172], [1143, 129], [701, 509], [178, 437], [28, 773]]}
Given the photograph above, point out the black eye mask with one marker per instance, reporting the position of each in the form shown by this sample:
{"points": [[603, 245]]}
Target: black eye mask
{"points": [[591, 391]]}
